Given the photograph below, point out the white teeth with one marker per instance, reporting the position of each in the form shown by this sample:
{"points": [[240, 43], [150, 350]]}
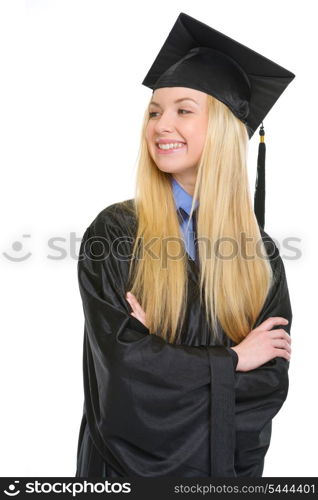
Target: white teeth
{"points": [[171, 146]]}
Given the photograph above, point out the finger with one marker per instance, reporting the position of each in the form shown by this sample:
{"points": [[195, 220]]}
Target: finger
{"points": [[134, 311], [269, 323], [282, 344], [138, 312], [280, 333], [129, 302], [140, 318], [282, 353], [131, 299], [137, 317], [135, 304]]}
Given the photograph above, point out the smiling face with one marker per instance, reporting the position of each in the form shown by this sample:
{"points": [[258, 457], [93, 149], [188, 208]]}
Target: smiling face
{"points": [[178, 116]]}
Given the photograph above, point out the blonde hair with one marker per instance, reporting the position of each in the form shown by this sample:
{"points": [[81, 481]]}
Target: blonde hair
{"points": [[233, 289]]}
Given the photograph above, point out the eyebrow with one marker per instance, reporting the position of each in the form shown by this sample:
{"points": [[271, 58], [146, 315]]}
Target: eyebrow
{"points": [[178, 100]]}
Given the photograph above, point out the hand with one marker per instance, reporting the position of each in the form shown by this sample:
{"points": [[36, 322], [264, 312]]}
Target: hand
{"points": [[138, 312], [263, 344]]}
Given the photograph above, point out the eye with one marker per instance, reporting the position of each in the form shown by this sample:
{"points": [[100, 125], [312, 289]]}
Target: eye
{"points": [[151, 114]]}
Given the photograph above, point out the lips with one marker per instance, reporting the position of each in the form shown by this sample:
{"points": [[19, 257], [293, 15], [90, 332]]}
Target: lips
{"points": [[171, 150]]}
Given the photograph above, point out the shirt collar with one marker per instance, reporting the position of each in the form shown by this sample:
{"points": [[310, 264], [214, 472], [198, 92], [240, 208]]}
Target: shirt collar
{"points": [[181, 197]]}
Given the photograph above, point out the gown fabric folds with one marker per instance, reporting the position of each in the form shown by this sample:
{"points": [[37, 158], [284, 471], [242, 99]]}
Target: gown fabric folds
{"points": [[152, 408]]}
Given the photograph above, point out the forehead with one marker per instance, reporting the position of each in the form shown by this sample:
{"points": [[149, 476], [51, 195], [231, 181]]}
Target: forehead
{"points": [[176, 94]]}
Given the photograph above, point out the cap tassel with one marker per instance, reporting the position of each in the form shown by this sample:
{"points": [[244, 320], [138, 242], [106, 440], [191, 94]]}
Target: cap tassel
{"points": [[259, 196]]}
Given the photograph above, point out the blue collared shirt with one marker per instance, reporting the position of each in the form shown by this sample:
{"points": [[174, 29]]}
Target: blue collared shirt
{"points": [[184, 200]]}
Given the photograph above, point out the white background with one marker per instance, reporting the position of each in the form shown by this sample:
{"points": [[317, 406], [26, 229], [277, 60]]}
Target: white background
{"points": [[71, 105]]}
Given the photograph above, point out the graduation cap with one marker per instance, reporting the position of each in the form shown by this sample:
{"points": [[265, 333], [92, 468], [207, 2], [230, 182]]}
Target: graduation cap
{"points": [[197, 56]]}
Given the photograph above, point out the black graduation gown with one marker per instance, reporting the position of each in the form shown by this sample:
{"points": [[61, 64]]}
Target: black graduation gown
{"points": [[152, 408]]}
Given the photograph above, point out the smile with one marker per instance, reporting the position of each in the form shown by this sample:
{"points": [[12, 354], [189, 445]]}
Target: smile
{"points": [[170, 148]]}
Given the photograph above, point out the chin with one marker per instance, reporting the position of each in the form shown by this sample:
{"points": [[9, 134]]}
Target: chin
{"points": [[167, 170]]}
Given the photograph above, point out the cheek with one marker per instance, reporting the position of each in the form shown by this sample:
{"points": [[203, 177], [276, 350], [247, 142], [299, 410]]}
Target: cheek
{"points": [[194, 128], [149, 137], [197, 134], [149, 134]]}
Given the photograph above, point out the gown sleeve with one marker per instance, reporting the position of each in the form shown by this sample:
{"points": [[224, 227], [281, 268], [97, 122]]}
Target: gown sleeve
{"points": [[260, 393], [147, 401], [234, 356]]}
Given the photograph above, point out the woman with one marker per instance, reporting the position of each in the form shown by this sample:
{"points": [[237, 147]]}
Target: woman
{"points": [[183, 376]]}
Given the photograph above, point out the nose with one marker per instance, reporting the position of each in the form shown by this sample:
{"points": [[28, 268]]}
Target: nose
{"points": [[164, 123]]}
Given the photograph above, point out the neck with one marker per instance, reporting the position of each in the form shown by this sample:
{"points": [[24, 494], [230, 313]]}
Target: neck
{"points": [[186, 181]]}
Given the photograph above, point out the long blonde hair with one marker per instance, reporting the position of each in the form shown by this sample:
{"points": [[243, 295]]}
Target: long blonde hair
{"points": [[233, 289]]}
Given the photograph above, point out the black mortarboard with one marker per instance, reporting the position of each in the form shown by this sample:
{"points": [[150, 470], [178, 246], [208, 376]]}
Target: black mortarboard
{"points": [[197, 56]]}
